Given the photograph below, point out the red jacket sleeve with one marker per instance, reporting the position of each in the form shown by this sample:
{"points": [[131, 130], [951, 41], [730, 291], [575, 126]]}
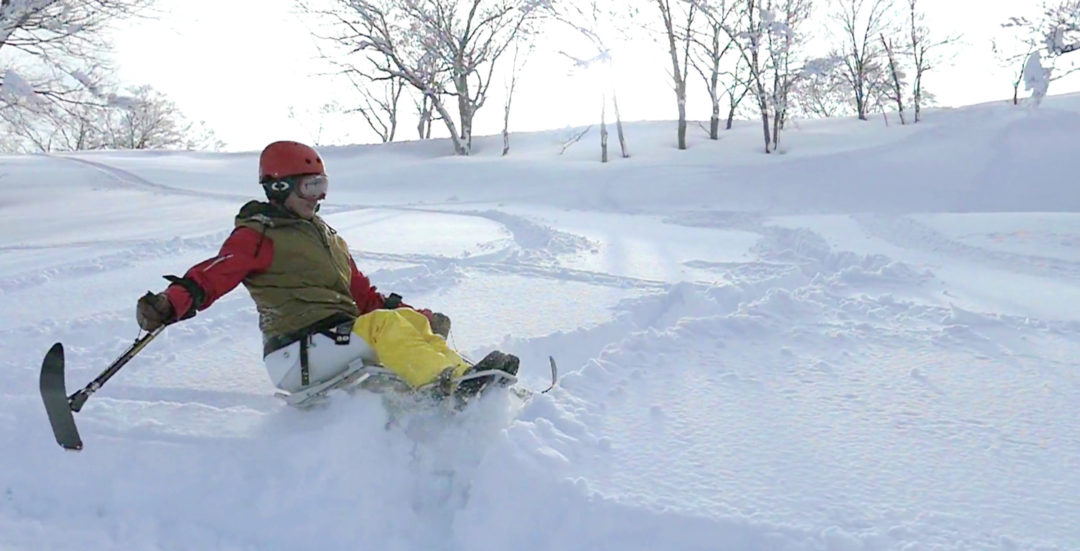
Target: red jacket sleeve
{"points": [[367, 297], [363, 292], [245, 252]]}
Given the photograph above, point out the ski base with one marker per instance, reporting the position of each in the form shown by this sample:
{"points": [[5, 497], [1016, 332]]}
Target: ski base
{"points": [[57, 405]]}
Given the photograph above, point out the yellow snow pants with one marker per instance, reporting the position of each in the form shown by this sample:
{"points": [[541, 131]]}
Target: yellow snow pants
{"points": [[404, 343]]}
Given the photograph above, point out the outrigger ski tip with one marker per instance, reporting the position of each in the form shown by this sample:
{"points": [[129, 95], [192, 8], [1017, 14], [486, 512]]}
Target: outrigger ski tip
{"points": [[554, 375], [57, 404]]}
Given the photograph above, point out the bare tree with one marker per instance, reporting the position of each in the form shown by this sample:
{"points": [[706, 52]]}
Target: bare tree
{"points": [[768, 39], [597, 23], [603, 130], [736, 91], [822, 91], [678, 42], [425, 107], [69, 126], [1013, 59], [712, 49], [750, 30], [379, 94], [783, 40], [430, 42], [147, 119], [471, 36], [923, 48], [516, 67], [860, 22], [895, 90], [141, 118], [423, 116]]}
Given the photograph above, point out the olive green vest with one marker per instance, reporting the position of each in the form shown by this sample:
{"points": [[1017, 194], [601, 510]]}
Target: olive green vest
{"points": [[308, 279]]}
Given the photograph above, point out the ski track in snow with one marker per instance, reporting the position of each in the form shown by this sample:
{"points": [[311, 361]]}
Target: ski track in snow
{"points": [[128, 254], [130, 179], [910, 234], [803, 379]]}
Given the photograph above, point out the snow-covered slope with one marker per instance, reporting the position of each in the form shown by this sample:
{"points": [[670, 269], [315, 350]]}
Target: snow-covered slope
{"points": [[869, 342]]}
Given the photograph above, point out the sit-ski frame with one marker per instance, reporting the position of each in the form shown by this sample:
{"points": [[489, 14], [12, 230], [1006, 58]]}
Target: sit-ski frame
{"points": [[360, 375]]}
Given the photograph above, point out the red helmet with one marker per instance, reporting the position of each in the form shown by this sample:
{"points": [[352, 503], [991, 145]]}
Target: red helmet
{"points": [[280, 160]]}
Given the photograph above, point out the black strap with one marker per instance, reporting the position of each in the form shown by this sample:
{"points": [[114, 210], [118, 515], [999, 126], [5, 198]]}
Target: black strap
{"points": [[305, 374], [277, 342], [198, 295]]}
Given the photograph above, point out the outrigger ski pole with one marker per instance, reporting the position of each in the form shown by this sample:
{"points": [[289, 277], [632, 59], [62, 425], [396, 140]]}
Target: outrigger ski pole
{"points": [[60, 406]]}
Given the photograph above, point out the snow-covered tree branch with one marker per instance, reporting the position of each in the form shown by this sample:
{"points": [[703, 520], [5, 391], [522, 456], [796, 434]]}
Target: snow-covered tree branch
{"points": [[441, 48], [52, 61], [769, 42], [1042, 46]]}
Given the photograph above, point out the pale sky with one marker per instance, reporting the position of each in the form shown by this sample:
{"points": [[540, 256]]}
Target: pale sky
{"points": [[240, 65]]}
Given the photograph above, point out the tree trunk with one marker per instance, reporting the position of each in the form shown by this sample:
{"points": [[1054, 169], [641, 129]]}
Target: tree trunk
{"points": [[619, 128], [731, 116], [918, 96], [682, 119], [603, 130], [762, 98], [714, 121], [423, 127], [506, 112], [676, 73], [465, 111], [765, 126], [714, 84], [459, 146], [898, 91], [778, 125]]}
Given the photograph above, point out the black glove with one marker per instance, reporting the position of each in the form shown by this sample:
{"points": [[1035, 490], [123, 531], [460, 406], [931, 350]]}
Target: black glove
{"points": [[153, 311], [440, 324], [392, 301]]}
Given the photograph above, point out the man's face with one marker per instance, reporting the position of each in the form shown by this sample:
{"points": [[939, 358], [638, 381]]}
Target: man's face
{"points": [[306, 194], [304, 208]]}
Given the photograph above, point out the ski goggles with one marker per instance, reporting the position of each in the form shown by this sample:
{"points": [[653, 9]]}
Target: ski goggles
{"points": [[311, 186]]}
